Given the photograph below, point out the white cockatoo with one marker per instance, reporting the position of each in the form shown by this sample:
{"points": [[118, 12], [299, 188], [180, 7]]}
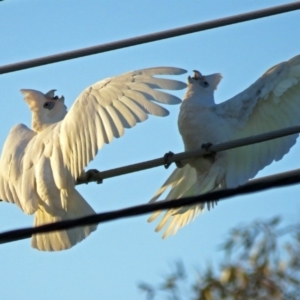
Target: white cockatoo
{"points": [[39, 166], [271, 103]]}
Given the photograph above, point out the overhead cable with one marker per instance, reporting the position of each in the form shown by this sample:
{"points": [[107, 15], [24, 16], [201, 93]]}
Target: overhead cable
{"points": [[255, 185], [185, 155], [151, 37], [189, 154]]}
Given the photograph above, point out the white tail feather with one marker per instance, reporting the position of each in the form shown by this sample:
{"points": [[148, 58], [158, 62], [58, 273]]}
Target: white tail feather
{"points": [[183, 183], [64, 239]]}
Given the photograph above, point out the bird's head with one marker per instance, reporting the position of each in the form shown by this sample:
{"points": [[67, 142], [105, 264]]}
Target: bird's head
{"points": [[50, 108], [205, 83]]}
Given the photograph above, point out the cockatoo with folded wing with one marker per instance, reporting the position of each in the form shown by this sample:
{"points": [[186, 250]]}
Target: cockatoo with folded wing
{"points": [[271, 103], [39, 167]]}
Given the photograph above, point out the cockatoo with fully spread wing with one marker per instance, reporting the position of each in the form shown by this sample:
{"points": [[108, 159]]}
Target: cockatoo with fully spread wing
{"points": [[39, 167], [271, 103]]}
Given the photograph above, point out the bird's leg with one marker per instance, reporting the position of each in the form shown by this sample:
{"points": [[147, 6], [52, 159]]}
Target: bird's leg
{"points": [[211, 155], [167, 162], [90, 175]]}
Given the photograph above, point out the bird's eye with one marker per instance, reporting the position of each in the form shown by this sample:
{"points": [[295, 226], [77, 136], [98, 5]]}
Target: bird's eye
{"points": [[49, 105], [204, 84]]}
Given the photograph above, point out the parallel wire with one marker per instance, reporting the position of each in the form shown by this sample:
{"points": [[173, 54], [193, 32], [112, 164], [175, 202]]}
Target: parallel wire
{"points": [[255, 185], [150, 37], [185, 155], [278, 180]]}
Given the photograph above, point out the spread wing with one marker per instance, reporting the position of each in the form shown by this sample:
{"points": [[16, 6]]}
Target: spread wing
{"points": [[271, 103], [103, 110], [11, 167]]}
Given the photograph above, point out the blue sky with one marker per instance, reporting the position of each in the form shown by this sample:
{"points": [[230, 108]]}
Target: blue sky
{"points": [[110, 263]]}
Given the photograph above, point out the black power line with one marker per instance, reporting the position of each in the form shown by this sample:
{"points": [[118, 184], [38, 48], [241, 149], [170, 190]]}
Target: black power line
{"points": [[150, 37], [278, 180], [190, 154], [255, 185]]}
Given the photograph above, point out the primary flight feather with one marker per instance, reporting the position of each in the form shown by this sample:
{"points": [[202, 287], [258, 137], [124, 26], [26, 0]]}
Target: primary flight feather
{"points": [[271, 103], [39, 166]]}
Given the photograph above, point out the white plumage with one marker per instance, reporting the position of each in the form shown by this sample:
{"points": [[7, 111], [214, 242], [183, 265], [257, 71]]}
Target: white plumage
{"points": [[271, 103], [39, 167]]}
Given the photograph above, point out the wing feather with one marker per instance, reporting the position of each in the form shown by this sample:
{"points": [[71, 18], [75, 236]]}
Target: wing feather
{"points": [[139, 113], [125, 114], [100, 132], [12, 169], [152, 94], [119, 126], [271, 103], [58, 169], [108, 125], [160, 83], [143, 102], [103, 110]]}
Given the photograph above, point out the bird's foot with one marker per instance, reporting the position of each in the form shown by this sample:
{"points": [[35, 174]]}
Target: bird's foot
{"points": [[210, 156], [91, 175], [179, 164], [167, 161], [206, 146]]}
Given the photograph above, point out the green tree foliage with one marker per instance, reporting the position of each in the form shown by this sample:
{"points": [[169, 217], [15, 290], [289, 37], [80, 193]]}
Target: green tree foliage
{"points": [[261, 261]]}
